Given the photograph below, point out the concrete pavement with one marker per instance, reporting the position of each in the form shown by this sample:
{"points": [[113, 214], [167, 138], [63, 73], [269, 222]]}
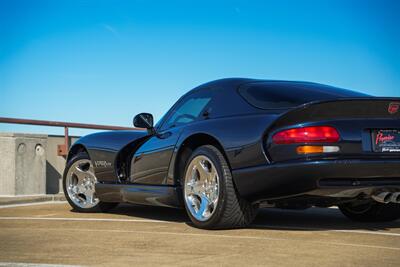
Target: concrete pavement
{"points": [[146, 236]]}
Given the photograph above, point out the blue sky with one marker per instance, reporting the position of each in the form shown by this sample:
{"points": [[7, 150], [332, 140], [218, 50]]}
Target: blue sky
{"points": [[104, 61]]}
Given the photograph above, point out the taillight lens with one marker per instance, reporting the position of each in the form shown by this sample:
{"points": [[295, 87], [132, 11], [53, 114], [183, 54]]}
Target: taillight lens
{"points": [[312, 134]]}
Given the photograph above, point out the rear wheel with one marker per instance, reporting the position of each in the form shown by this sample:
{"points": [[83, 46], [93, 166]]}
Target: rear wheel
{"points": [[371, 211], [211, 200], [79, 185]]}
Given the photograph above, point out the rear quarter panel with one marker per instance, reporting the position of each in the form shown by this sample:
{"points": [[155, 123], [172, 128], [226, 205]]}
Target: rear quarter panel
{"points": [[241, 137]]}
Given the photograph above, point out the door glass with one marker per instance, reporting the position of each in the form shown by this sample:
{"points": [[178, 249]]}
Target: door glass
{"points": [[189, 111]]}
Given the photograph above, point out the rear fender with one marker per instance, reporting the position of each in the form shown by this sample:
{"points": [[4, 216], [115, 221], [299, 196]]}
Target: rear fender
{"points": [[239, 137]]}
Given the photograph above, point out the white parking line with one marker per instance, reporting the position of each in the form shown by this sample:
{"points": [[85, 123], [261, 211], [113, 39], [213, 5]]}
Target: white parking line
{"points": [[274, 227], [365, 232], [31, 204], [21, 264], [86, 219], [45, 215], [223, 236], [277, 227], [245, 237]]}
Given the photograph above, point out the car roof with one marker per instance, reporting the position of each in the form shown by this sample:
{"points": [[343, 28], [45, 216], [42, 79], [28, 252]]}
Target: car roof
{"points": [[234, 83], [228, 100]]}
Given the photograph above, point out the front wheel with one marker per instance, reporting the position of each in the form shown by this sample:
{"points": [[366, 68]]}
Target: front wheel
{"points": [[79, 185], [211, 200]]}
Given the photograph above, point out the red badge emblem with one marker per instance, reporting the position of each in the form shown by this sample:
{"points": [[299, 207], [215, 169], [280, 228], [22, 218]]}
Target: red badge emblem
{"points": [[393, 107], [381, 138]]}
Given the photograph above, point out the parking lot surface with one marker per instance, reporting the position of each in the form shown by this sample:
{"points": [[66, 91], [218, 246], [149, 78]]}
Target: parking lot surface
{"points": [[146, 236]]}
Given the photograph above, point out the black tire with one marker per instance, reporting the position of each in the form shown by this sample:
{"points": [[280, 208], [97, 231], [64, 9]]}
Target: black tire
{"points": [[232, 211], [101, 206], [371, 211]]}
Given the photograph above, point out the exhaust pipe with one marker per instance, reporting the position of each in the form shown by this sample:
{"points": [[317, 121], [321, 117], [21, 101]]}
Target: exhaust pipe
{"points": [[383, 197], [395, 198]]}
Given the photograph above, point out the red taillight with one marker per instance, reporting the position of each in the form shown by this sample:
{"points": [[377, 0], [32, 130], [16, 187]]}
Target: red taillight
{"points": [[313, 134]]}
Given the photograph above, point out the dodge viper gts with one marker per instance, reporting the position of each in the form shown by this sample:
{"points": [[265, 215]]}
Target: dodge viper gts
{"points": [[231, 146]]}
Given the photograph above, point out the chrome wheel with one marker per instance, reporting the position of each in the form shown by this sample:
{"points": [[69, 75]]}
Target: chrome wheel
{"points": [[201, 188], [80, 182]]}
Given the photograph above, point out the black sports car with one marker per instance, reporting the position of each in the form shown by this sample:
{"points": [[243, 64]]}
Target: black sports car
{"points": [[231, 146]]}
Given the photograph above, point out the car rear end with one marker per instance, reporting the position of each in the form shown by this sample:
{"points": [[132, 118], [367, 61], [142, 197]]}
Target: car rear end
{"points": [[330, 145]]}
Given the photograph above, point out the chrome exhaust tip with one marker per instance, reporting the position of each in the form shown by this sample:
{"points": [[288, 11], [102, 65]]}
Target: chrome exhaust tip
{"points": [[383, 197], [395, 198]]}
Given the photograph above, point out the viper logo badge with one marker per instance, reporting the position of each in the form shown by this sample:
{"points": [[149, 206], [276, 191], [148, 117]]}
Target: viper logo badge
{"points": [[102, 163], [393, 107]]}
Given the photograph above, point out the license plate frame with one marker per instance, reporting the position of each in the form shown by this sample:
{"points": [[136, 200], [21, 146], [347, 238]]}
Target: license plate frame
{"points": [[385, 140]]}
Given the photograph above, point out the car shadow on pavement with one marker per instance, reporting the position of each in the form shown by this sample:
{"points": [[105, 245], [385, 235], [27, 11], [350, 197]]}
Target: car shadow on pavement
{"points": [[151, 212], [313, 219]]}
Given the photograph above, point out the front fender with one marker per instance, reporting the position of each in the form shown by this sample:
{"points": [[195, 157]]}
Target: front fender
{"points": [[103, 149]]}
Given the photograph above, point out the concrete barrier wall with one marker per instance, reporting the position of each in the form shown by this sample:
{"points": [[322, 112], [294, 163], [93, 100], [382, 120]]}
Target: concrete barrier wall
{"points": [[29, 164], [55, 164]]}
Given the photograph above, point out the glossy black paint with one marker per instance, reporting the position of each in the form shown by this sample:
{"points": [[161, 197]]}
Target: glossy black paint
{"points": [[143, 120], [166, 196], [299, 177], [151, 161], [104, 147], [136, 166]]}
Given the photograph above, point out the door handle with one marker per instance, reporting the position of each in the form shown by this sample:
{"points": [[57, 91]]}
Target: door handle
{"points": [[164, 135], [138, 157]]}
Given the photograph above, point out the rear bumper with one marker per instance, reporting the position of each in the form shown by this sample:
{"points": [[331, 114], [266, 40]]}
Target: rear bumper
{"points": [[323, 178]]}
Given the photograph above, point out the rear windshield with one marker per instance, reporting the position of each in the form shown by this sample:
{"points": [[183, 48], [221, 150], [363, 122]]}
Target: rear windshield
{"points": [[273, 95]]}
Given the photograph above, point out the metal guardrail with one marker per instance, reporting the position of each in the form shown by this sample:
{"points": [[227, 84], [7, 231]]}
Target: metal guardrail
{"points": [[62, 150]]}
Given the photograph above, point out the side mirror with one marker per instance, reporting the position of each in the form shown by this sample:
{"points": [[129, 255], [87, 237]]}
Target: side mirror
{"points": [[143, 120]]}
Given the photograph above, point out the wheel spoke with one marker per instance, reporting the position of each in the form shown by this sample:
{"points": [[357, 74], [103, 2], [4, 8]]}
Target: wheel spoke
{"points": [[198, 188], [81, 174], [89, 198], [78, 189], [193, 204], [213, 176], [189, 188], [192, 187], [203, 170], [194, 176], [204, 205]]}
